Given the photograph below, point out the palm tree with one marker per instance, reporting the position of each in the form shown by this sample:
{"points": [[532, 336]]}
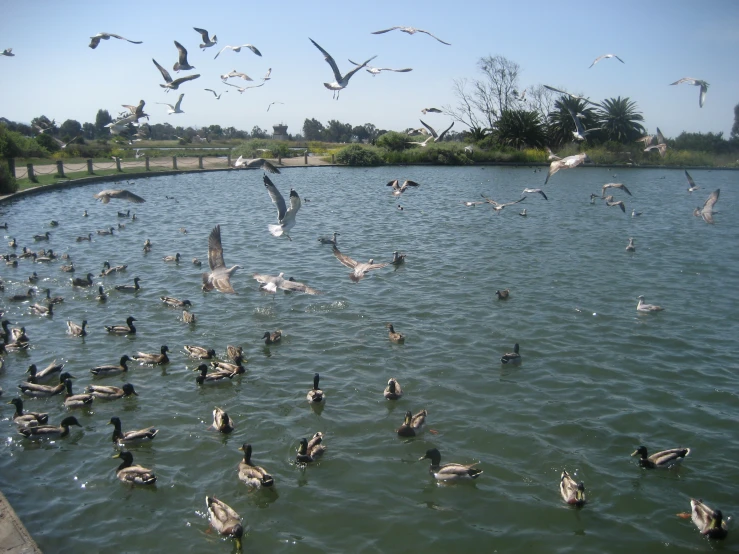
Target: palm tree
{"points": [[619, 119], [561, 125], [520, 128]]}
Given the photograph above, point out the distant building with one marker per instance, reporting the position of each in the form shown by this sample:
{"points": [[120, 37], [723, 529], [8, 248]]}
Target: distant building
{"points": [[280, 132]]}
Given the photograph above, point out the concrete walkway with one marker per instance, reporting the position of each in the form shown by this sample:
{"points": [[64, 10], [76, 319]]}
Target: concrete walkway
{"points": [[14, 539]]}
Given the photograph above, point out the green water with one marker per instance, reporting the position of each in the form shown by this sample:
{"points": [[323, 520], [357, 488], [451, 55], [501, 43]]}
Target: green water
{"points": [[596, 381]]}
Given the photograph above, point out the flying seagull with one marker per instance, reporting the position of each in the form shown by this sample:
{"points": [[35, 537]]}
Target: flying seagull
{"points": [[242, 89], [234, 73], [566, 163], [424, 143], [398, 190], [182, 61], [498, 206], [646, 139], [586, 100], [341, 81], [618, 203], [430, 110], [105, 195], [218, 96], [606, 56], [260, 163], [175, 108], [662, 147], [614, 186], [137, 110], [691, 184], [410, 31], [359, 270], [534, 191], [580, 132], [94, 41], [168, 78], [270, 283], [267, 75], [238, 49], [377, 70], [706, 212], [698, 83], [275, 102], [7, 52], [207, 43], [219, 277], [437, 137], [285, 215]]}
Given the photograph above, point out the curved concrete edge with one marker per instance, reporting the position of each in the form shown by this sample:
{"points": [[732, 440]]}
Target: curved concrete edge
{"points": [[14, 538]]}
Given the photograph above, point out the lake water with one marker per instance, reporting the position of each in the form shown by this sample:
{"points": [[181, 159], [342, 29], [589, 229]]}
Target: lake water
{"points": [[597, 379]]}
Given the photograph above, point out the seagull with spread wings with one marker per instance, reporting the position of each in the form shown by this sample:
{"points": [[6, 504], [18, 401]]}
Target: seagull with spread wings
{"points": [[219, 277], [176, 107], [172, 84], [614, 186], [400, 189], [181, 63], [238, 49], [586, 100], [270, 283], [137, 110], [410, 31], [534, 191], [260, 163], [285, 215], [377, 70], [242, 89], [218, 96], [234, 73], [430, 110], [698, 83], [7, 52], [438, 137], [105, 196], [272, 103], [94, 41], [569, 162], [580, 132], [359, 269], [691, 184], [706, 212], [341, 80], [605, 56], [207, 42]]}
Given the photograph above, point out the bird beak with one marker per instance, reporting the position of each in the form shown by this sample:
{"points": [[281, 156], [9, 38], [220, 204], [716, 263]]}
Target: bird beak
{"points": [[635, 453], [421, 458], [117, 455]]}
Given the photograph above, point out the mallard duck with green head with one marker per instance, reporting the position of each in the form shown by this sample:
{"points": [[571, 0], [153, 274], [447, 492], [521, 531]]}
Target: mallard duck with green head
{"points": [[129, 473], [310, 451], [213, 378], [572, 492], [127, 329], [77, 330], [662, 459], [72, 400], [35, 390], [129, 437], [221, 421], [50, 431], [254, 476], [22, 419], [393, 391], [153, 359], [224, 519], [111, 393], [112, 369], [449, 472], [709, 522], [412, 424]]}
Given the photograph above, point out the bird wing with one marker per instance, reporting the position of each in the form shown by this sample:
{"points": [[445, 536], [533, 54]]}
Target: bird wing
{"points": [[292, 211], [429, 127], [599, 58], [344, 259], [710, 202], [353, 71], [514, 202], [171, 107], [329, 60], [211, 90], [276, 197], [688, 80], [182, 52], [386, 30], [660, 137], [299, 287], [437, 38], [215, 249], [252, 48], [377, 266], [619, 59], [222, 49], [623, 187], [222, 282], [555, 166], [124, 38], [261, 163], [408, 183], [203, 33], [690, 179], [164, 72], [444, 132], [179, 101], [269, 72], [704, 89], [178, 82], [578, 124]]}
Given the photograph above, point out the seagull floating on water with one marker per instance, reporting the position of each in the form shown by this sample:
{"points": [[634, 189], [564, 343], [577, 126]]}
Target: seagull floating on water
{"points": [[219, 277], [238, 49], [94, 41], [207, 42], [605, 56], [706, 212], [631, 247], [341, 81], [285, 215], [698, 83], [410, 31], [175, 108], [172, 84]]}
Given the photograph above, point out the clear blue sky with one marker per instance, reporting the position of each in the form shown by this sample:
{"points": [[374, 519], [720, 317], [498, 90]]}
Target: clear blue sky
{"points": [[55, 73]]}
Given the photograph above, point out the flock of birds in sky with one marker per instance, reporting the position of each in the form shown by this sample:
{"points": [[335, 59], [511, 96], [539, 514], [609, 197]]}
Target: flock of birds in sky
{"points": [[222, 517]]}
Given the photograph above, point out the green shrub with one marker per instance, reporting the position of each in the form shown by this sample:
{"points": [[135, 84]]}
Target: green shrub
{"points": [[8, 184], [394, 142], [356, 155]]}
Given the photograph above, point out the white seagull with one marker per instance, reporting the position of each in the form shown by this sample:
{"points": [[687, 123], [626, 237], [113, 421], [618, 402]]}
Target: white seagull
{"points": [[105, 195], [7, 52], [341, 80], [706, 212], [644, 307], [207, 42], [614, 186], [566, 163], [377, 70], [182, 59], [534, 191], [430, 110], [234, 73], [238, 49], [172, 84], [261, 163], [580, 132], [270, 283], [605, 56], [410, 31], [219, 277], [175, 108], [285, 215], [437, 137], [424, 143], [698, 83], [691, 184], [359, 269], [94, 41], [398, 189], [218, 96], [586, 100], [267, 75], [242, 89], [275, 102]]}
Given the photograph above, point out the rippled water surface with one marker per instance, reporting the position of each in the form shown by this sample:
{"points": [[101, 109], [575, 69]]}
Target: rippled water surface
{"points": [[596, 381]]}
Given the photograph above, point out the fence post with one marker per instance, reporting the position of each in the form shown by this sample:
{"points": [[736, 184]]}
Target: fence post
{"points": [[333, 159], [229, 159], [118, 163], [146, 159], [60, 168], [89, 167], [279, 159], [174, 162], [11, 166], [200, 162], [305, 157], [31, 176]]}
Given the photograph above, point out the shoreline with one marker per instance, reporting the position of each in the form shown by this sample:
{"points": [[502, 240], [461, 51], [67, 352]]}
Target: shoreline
{"points": [[14, 537]]}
